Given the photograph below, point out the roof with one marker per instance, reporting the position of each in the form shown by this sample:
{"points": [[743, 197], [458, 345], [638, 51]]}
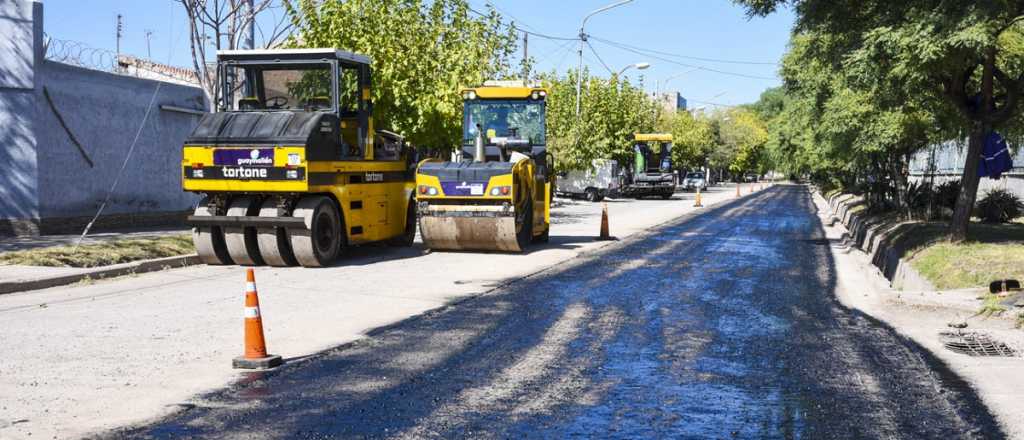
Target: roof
{"points": [[653, 137], [502, 92], [292, 54]]}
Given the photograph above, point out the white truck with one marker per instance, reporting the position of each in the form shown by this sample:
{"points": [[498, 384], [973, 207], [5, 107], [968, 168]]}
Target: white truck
{"points": [[594, 184]]}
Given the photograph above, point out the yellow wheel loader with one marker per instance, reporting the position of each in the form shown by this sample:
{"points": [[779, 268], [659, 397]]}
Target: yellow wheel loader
{"points": [[495, 193], [291, 167]]}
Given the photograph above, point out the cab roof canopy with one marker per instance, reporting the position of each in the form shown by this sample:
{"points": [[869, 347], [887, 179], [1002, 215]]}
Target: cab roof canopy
{"points": [[653, 137], [284, 55]]}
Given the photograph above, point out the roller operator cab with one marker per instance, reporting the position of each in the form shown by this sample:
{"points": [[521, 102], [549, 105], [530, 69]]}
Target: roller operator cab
{"points": [[290, 165], [650, 173], [495, 192]]}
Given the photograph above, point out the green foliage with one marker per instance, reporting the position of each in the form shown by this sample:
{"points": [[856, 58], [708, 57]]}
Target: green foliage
{"points": [[423, 52], [946, 193], [870, 82], [999, 206], [611, 112], [693, 137]]}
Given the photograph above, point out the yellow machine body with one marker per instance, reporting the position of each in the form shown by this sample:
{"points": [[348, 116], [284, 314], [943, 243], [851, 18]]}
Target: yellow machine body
{"points": [[290, 165], [503, 202]]}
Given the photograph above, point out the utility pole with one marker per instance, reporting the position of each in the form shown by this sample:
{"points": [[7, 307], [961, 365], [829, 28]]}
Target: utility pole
{"points": [[583, 40], [149, 52], [526, 57], [120, 33]]}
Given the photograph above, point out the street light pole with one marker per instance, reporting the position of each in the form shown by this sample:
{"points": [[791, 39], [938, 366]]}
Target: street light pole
{"points": [[639, 66], [661, 84], [583, 40]]}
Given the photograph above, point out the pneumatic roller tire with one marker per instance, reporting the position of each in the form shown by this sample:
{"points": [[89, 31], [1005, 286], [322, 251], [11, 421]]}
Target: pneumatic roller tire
{"points": [[209, 240], [241, 241], [275, 247], [319, 244]]}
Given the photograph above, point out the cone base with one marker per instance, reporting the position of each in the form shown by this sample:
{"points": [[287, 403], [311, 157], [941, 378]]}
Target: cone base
{"points": [[263, 363], [606, 238]]}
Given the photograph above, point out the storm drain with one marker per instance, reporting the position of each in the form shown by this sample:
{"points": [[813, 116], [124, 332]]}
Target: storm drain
{"points": [[975, 344]]}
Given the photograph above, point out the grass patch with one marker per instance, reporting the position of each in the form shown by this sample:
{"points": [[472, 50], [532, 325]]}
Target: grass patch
{"points": [[993, 252], [990, 306], [102, 254]]}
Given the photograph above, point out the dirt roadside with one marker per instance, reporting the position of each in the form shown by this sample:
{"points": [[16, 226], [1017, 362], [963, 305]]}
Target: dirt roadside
{"points": [[921, 316]]}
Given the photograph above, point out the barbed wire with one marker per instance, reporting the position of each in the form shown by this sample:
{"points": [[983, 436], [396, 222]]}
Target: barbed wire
{"points": [[79, 54]]}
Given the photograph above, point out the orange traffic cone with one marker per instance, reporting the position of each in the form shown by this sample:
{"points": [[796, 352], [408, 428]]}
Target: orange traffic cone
{"points": [[605, 236], [256, 356], [737, 189], [696, 203], [751, 188]]}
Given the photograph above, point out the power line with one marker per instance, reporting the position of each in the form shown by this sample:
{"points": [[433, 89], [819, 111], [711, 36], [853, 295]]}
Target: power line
{"points": [[710, 60], [711, 103], [512, 26], [559, 47], [609, 69], [670, 61]]}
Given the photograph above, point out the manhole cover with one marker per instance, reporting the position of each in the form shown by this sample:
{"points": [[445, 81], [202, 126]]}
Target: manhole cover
{"points": [[975, 344]]}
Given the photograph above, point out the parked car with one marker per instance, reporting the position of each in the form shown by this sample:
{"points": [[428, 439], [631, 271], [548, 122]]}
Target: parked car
{"points": [[751, 177], [593, 184], [695, 180]]}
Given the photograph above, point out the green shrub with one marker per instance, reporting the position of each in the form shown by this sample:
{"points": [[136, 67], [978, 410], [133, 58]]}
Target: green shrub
{"points": [[999, 206], [947, 193]]}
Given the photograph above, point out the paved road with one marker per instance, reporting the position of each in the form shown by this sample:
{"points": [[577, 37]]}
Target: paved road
{"points": [[716, 326]]}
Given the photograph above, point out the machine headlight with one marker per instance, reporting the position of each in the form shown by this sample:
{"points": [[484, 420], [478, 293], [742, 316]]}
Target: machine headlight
{"points": [[501, 190], [428, 190], [294, 159], [292, 174], [432, 191], [470, 94], [198, 174]]}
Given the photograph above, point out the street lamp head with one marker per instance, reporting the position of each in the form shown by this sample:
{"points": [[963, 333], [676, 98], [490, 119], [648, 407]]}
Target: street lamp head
{"points": [[642, 66]]}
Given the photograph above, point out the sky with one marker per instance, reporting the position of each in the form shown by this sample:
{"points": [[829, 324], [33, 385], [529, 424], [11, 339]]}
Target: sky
{"points": [[674, 36]]}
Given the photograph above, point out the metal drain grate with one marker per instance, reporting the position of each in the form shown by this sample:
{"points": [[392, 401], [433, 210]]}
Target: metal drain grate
{"points": [[975, 344]]}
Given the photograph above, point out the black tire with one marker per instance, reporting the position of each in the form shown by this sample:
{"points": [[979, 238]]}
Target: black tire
{"points": [[408, 236], [592, 195], [319, 245], [525, 234], [666, 196]]}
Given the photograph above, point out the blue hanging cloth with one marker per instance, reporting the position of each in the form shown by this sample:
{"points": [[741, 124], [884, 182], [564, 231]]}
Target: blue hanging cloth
{"points": [[995, 157]]}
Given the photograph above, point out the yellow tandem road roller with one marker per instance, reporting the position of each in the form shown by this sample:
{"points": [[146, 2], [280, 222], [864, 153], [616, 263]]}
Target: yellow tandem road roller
{"points": [[495, 193], [290, 165]]}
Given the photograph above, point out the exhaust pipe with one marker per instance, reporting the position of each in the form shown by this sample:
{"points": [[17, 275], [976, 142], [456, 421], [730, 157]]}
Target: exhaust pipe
{"points": [[479, 153]]}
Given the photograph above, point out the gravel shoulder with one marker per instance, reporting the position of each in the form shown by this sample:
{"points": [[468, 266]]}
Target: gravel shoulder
{"points": [[87, 358], [920, 316]]}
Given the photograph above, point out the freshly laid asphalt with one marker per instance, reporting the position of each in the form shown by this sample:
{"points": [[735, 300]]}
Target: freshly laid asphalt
{"points": [[721, 325]]}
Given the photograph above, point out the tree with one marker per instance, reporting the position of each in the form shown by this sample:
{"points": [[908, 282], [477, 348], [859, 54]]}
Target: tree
{"points": [[221, 24], [693, 138], [742, 137], [954, 55], [423, 52], [612, 111]]}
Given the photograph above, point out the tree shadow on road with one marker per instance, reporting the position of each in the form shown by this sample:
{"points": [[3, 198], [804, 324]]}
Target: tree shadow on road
{"points": [[627, 341]]}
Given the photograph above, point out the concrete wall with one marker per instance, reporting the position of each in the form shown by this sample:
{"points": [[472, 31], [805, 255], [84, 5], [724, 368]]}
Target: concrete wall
{"points": [[946, 162], [45, 178], [104, 111], [20, 34]]}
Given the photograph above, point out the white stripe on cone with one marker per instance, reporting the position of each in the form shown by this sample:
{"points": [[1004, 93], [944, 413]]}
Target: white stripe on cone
{"points": [[252, 312]]}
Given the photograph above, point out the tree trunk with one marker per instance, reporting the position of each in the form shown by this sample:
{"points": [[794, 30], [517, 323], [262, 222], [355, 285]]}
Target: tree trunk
{"points": [[979, 130], [968, 185]]}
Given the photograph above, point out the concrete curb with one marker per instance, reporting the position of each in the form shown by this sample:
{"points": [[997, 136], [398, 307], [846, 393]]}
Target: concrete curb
{"points": [[116, 270]]}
